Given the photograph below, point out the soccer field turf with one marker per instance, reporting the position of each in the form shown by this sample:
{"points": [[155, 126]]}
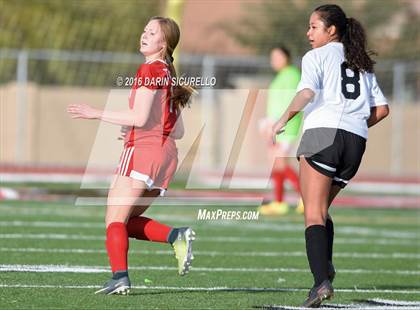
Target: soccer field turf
{"points": [[238, 264]]}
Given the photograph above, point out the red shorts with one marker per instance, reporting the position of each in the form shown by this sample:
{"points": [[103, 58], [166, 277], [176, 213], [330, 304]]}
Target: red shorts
{"points": [[151, 162]]}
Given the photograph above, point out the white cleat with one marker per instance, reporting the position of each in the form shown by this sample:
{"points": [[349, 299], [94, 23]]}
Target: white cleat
{"points": [[183, 249]]}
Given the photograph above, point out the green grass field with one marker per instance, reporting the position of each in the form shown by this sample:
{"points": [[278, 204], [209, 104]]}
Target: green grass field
{"points": [[377, 256]]}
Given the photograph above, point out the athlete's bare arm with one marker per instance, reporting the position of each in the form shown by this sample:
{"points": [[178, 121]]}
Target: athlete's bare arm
{"points": [[298, 103], [136, 117], [377, 114]]}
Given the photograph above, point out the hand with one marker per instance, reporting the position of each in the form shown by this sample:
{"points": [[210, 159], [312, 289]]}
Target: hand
{"points": [[265, 127], [82, 110], [278, 128]]}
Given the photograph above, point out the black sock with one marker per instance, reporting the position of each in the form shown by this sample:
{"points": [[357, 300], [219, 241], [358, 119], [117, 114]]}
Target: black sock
{"points": [[329, 225], [172, 235], [316, 250], [119, 274]]}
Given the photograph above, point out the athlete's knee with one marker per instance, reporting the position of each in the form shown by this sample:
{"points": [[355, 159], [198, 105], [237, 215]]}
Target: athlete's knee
{"points": [[315, 219], [115, 215], [115, 219]]}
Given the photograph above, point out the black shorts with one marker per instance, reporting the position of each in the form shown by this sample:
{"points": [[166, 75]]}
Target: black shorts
{"points": [[336, 153]]}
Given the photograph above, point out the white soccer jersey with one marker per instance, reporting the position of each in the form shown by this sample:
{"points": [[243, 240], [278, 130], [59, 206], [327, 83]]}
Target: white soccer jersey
{"points": [[342, 98]]}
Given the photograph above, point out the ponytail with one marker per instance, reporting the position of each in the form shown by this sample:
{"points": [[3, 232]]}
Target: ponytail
{"points": [[354, 41], [352, 34], [180, 94]]}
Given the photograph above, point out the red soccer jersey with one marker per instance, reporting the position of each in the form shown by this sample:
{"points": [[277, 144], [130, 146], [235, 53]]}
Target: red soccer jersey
{"points": [[154, 75]]}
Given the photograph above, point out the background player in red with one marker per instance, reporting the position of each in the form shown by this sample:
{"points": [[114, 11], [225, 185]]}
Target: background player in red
{"points": [[341, 99], [149, 159]]}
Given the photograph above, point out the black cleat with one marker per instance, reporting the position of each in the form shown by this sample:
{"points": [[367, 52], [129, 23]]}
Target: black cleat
{"points": [[117, 285], [318, 294], [331, 272]]}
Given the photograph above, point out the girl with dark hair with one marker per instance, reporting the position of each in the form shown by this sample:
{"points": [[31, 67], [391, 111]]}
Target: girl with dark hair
{"points": [[340, 97], [149, 159]]}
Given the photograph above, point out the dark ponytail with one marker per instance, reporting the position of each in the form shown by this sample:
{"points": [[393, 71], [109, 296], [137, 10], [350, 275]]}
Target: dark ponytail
{"points": [[352, 34]]}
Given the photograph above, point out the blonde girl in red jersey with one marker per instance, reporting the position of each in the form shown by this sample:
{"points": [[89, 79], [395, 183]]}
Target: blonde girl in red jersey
{"points": [[149, 159]]}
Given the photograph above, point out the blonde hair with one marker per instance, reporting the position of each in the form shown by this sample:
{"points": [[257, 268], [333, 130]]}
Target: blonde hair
{"points": [[171, 34]]}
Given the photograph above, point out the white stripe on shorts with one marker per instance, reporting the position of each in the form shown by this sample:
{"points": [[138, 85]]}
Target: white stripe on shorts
{"points": [[340, 180], [121, 160], [142, 177], [130, 151], [332, 169]]}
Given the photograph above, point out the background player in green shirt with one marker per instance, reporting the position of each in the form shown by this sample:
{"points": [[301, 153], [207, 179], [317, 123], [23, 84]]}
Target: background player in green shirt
{"points": [[280, 93]]}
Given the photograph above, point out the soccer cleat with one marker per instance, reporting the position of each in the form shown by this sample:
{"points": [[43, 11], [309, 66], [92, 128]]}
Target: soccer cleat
{"points": [[274, 208], [119, 286], [264, 209], [331, 271], [318, 294], [300, 208], [183, 249]]}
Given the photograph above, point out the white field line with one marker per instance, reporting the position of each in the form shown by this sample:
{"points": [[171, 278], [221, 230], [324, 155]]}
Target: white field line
{"points": [[77, 212], [94, 213], [356, 186], [385, 188], [294, 240], [381, 233], [57, 178], [344, 230], [344, 306], [214, 288], [393, 302], [219, 239], [217, 253], [102, 269], [48, 211], [67, 224], [282, 227], [80, 212], [51, 236], [240, 182], [48, 224], [183, 201]]}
